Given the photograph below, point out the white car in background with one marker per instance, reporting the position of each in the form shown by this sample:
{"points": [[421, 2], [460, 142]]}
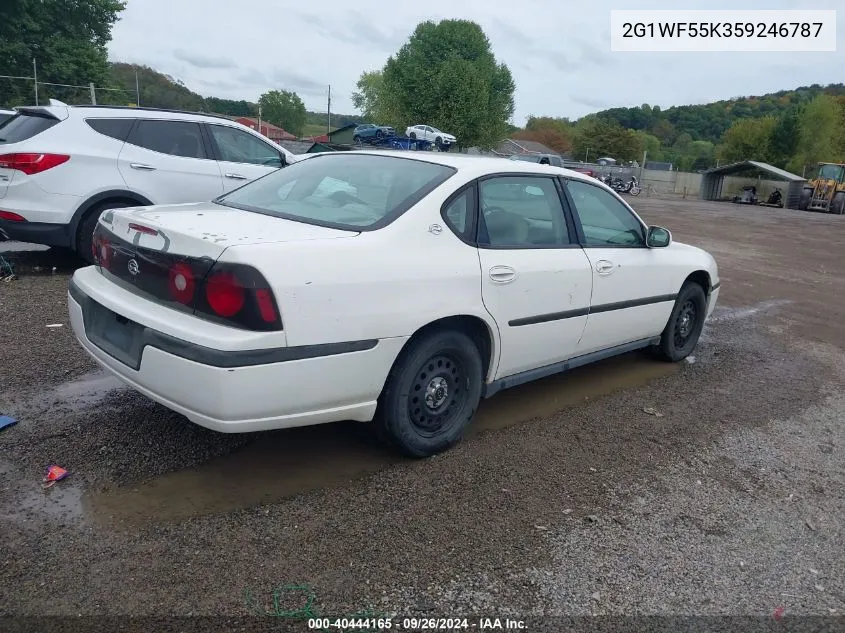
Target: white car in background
{"points": [[432, 134], [398, 288], [62, 166]]}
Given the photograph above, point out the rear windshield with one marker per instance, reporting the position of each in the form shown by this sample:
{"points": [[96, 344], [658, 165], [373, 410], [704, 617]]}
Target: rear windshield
{"points": [[23, 126], [342, 191]]}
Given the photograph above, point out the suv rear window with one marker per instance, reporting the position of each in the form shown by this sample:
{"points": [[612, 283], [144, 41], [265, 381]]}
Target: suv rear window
{"points": [[115, 128], [341, 191], [25, 125]]}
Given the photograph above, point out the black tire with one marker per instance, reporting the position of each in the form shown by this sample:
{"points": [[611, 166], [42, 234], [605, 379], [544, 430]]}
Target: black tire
{"points": [[413, 136], [379, 133], [837, 205], [85, 230], [431, 394], [680, 336], [804, 201], [438, 142], [356, 139]]}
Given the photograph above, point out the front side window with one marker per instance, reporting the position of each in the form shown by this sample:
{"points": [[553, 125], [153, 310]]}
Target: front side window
{"points": [[177, 138], [604, 220], [343, 191], [237, 146], [521, 212]]}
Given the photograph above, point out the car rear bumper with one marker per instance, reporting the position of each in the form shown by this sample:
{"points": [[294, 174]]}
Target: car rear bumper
{"points": [[233, 391], [36, 232]]}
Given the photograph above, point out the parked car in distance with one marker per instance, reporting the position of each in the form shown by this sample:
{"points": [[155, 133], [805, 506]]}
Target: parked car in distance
{"points": [[605, 161], [441, 140], [319, 299], [367, 132], [6, 114], [62, 166], [541, 159]]}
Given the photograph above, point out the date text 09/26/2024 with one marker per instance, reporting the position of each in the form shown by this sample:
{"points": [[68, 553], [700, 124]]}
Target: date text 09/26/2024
{"points": [[415, 624]]}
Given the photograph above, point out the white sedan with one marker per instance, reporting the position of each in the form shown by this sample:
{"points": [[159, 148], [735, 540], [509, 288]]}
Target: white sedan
{"points": [[428, 133], [398, 288]]}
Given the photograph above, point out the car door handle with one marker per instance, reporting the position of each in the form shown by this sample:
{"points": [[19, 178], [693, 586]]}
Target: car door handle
{"points": [[605, 267], [142, 166], [502, 274], [236, 176]]}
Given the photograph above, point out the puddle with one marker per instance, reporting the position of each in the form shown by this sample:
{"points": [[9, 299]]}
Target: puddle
{"points": [[88, 390], [61, 502], [81, 393], [289, 462], [722, 314]]}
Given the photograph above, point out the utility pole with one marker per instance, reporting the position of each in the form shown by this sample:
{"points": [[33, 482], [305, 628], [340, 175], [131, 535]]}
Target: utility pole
{"points": [[642, 167], [329, 121], [587, 157], [35, 78], [259, 118], [137, 91], [93, 93]]}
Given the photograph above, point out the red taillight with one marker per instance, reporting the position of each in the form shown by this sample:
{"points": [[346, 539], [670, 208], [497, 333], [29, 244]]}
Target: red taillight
{"points": [[101, 251], [181, 283], [11, 217], [225, 294], [266, 307], [32, 163]]}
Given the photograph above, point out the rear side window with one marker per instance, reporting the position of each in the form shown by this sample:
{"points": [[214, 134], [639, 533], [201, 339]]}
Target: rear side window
{"points": [[177, 138], [115, 128], [24, 126]]}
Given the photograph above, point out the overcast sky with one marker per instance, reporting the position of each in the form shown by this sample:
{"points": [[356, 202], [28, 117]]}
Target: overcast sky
{"points": [[558, 50]]}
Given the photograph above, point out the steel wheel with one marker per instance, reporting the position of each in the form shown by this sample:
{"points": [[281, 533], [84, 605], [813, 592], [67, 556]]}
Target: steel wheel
{"points": [[438, 391], [685, 323]]}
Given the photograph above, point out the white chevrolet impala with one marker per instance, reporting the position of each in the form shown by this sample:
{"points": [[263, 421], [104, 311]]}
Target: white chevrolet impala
{"points": [[397, 288]]}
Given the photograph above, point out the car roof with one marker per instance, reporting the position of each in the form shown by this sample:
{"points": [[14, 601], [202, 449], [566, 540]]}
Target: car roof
{"points": [[477, 165], [119, 112]]}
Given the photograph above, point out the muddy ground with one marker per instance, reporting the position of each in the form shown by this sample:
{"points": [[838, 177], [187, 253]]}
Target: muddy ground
{"points": [[567, 498]]}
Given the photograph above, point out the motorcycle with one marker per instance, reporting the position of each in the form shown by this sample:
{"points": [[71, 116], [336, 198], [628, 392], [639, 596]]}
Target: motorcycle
{"points": [[632, 186], [748, 196], [775, 198]]}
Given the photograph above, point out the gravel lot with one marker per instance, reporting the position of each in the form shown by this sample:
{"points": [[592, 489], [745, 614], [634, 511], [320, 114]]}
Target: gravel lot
{"points": [[568, 498]]}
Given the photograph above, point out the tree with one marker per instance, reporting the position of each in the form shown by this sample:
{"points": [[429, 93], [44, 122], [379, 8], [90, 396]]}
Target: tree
{"points": [[598, 137], [285, 109], [445, 75], [785, 136], [747, 139], [822, 138], [66, 38]]}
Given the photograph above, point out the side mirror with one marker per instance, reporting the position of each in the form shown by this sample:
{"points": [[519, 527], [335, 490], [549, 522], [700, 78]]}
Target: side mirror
{"points": [[658, 237]]}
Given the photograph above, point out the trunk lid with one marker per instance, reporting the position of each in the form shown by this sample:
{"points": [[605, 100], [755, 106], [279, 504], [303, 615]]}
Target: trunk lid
{"points": [[145, 249]]}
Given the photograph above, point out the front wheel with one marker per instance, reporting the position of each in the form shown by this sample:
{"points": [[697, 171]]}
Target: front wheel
{"points": [[431, 394], [635, 191], [413, 136], [356, 140], [680, 336]]}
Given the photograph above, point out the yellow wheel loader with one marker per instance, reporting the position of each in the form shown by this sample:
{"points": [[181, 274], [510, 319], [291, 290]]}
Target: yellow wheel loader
{"points": [[825, 192]]}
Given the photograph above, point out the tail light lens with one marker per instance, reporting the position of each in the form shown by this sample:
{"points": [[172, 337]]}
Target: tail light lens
{"points": [[11, 217], [31, 163], [101, 250], [238, 295], [181, 283]]}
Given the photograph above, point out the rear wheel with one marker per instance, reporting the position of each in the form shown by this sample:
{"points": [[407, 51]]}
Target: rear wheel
{"points": [[804, 202], [85, 231], [431, 394], [681, 334]]}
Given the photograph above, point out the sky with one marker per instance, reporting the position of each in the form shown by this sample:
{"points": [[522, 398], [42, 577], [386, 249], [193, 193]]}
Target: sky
{"points": [[558, 50]]}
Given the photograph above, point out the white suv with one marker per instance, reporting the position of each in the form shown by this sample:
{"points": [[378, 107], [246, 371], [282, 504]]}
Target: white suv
{"points": [[6, 114], [62, 166]]}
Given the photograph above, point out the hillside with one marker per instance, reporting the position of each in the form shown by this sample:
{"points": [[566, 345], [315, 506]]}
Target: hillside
{"points": [[709, 122], [163, 91]]}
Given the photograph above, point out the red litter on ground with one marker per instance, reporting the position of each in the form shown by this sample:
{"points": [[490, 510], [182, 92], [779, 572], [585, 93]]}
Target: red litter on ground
{"points": [[54, 474]]}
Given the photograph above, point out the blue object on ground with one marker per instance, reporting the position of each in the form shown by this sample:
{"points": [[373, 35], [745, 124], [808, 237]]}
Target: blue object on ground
{"points": [[5, 421]]}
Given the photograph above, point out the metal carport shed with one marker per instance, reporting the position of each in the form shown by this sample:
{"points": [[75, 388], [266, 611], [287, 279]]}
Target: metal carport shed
{"points": [[713, 179]]}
